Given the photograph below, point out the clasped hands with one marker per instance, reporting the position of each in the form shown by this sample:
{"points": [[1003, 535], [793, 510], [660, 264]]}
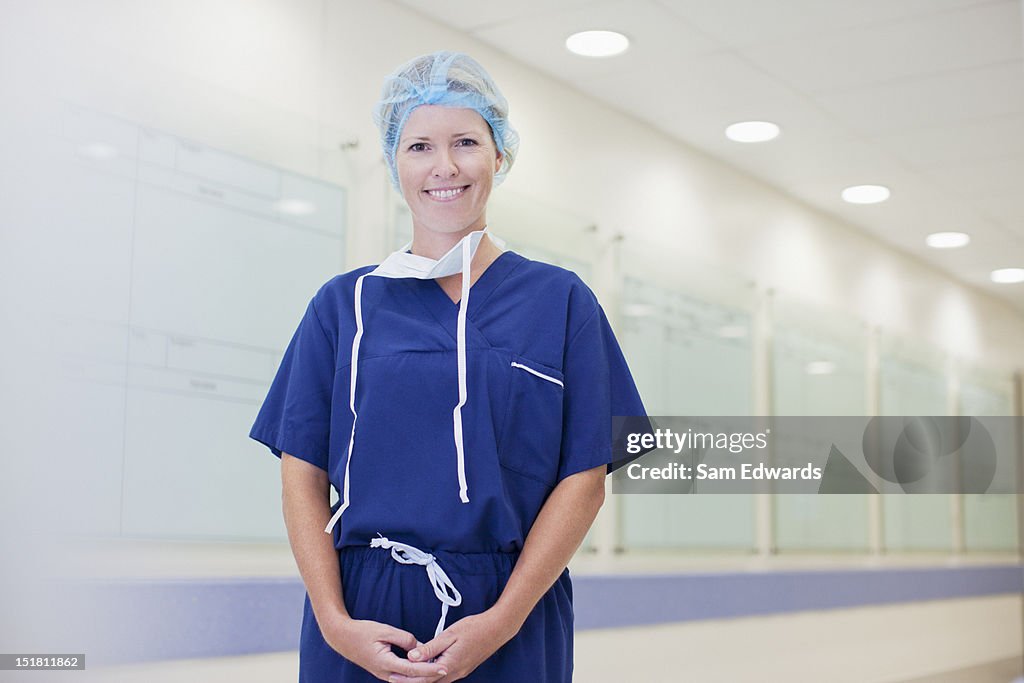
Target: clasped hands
{"points": [[451, 656]]}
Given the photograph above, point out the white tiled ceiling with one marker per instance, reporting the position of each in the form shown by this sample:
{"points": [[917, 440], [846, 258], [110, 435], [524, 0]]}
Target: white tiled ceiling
{"points": [[892, 52], [925, 96]]}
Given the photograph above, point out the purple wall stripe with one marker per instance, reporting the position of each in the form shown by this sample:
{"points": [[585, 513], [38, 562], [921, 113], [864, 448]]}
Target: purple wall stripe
{"points": [[137, 621]]}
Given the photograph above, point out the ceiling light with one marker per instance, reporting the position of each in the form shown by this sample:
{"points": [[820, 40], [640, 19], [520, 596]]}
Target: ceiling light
{"points": [[597, 43], [295, 207], [1008, 276], [820, 367], [752, 131], [947, 240], [866, 194]]}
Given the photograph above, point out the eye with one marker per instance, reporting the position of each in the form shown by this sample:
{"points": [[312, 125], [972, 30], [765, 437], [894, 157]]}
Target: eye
{"points": [[417, 147], [466, 142]]}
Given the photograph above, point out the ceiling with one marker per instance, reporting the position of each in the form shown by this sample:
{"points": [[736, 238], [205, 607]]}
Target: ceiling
{"points": [[923, 96]]}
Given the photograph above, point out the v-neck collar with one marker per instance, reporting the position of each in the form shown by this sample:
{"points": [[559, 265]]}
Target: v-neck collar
{"points": [[446, 311], [483, 285]]}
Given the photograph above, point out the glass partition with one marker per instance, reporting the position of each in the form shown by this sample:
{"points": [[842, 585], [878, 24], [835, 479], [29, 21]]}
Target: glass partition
{"points": [[819, 367], [192, 266], [547, 233], [687, 333], [913, 381], [990, 520]]}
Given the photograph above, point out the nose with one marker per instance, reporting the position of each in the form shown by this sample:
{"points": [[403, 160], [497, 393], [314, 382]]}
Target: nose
{"points": [[444, 164]]}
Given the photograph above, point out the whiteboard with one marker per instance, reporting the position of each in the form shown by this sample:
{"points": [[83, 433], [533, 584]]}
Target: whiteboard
{"points": [[192, 268]]}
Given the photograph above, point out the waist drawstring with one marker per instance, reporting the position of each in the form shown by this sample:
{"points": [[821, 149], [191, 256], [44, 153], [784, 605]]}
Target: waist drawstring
{"points": [[443, 587]]}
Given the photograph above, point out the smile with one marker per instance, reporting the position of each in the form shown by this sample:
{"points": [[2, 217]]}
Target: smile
{"points": [[446, 194]]}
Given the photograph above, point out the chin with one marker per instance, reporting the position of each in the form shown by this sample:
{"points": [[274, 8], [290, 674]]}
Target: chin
{"points": [[449, 224]]}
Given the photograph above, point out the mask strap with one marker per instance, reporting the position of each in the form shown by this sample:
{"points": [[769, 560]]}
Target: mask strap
{"points": [[351, 400], [460, 449]]}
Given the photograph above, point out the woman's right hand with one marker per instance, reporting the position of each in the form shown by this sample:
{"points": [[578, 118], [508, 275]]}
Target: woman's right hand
{"points": [[368, 644]]}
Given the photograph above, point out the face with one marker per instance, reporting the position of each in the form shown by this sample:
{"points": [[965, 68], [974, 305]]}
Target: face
{"points": [[446, 162]]}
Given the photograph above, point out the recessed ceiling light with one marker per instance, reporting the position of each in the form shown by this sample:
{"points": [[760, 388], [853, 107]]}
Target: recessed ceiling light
{"points": [[295, 207], [866, 194], [820, 367], [1008, 276], [597, 43], [947, 240], [752, 131]]}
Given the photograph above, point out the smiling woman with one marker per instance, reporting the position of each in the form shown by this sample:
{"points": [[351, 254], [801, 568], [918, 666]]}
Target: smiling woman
{"points": [[446, 165], [469, 439]]}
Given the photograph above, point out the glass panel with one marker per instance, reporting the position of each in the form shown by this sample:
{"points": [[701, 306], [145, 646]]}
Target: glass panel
{"points": [[821, 522], [818, 368], [195, 266], [990, 520], [689, 356], [817, 373], [912, 383], [545, 233], [917, 521]]}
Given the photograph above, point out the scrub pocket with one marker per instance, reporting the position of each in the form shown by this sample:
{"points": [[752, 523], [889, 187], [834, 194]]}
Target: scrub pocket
{"points": [[531, 437]]}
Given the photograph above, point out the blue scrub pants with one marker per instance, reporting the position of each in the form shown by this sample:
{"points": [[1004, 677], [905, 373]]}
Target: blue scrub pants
{"points": [[378, 588]]}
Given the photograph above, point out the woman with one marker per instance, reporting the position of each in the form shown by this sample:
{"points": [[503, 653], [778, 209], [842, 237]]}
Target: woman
{"points": [[459, 397]]}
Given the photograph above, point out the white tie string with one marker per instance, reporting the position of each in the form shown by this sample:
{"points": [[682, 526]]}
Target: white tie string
{"points": [[393, 267], [354, 365], [443, 587], [460, 451]]}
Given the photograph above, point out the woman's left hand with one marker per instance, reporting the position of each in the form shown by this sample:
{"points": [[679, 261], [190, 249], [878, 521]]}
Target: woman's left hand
{"points": [[464, 645]]}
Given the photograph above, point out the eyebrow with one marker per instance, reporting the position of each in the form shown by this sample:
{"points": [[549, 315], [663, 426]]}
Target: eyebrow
{"points": [[427, 139]]}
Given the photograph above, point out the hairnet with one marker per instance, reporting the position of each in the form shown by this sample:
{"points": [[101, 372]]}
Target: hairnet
{"points": [[447, 79]]}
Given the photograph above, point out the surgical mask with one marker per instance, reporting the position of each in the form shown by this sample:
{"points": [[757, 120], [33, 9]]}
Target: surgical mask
{"points": [[403, 264]]}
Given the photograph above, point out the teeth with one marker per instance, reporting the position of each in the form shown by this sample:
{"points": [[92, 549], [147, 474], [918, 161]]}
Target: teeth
{"points": [[445, 194]]}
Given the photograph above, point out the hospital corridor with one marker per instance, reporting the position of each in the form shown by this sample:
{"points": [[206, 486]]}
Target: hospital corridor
{"points": [[332, 328]]}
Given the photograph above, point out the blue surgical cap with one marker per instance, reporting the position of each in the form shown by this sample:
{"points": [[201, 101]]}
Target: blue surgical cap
{"points": [[447, 79]]}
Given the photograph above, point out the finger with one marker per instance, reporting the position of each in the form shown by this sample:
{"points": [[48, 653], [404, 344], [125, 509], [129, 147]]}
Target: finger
{"points": [[447, 659], [398, 666], [397, 636], [399, 678], [431, 648]]}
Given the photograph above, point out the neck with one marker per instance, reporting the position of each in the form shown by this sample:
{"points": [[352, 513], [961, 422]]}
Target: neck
{"points": [[434, 245]]}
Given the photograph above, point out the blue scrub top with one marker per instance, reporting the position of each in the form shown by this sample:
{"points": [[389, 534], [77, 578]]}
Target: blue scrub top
{"points": [[545, 375]]}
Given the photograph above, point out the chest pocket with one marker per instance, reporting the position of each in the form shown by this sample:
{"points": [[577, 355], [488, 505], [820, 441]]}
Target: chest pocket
{"points": [[531, 438]]}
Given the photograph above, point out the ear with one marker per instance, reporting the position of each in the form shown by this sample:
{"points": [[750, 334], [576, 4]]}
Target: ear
{"points": [[499, 157]]}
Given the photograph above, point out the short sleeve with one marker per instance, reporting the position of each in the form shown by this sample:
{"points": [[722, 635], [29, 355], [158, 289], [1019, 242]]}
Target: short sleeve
{"points": [[296, 414], [598, 386]]}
